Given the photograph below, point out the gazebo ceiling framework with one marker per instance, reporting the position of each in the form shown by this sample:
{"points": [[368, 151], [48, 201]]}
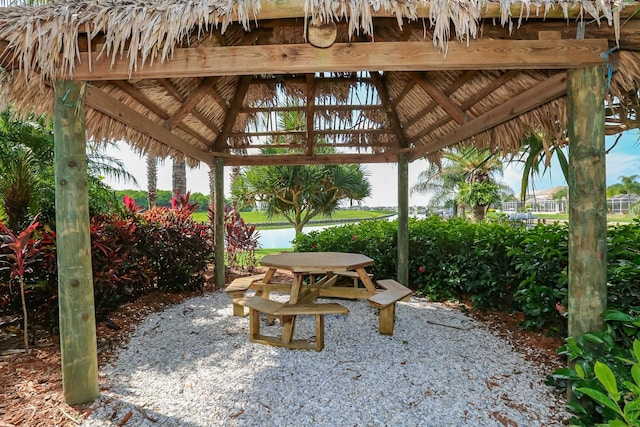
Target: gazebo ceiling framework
{"points": [[382, 89]]}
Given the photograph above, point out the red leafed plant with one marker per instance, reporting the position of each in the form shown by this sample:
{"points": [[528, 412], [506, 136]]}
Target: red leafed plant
{"points": [[22, 253]]}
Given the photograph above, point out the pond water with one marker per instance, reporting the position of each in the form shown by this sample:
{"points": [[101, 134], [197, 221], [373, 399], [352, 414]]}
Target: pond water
{"points": [[280, 238]]}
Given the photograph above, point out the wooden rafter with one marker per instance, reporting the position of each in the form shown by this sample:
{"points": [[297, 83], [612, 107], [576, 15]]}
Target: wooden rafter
{"points": [[464, 78], [392, 114], [100, 101], [137, 94], [316, 107], [407, 88], [349, 57], [475, 98], [546, 91], [301, 159], [232, 112], [440, 97], [317, 131], [309, 113], [173, 91], [242, 148], [191, 101]]}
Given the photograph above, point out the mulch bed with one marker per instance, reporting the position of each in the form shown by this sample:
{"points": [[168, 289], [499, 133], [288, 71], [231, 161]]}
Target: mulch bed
{"points": [[31, 385]]}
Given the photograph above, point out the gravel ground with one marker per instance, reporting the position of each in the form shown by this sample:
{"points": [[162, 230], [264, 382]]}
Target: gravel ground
{"points": [[193, 365]]}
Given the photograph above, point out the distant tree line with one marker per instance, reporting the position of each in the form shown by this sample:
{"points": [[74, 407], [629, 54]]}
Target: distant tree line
{"points": [[163, 198]]}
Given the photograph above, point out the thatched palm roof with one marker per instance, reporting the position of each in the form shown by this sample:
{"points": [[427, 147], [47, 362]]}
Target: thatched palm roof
{"points": [[216, 78]]}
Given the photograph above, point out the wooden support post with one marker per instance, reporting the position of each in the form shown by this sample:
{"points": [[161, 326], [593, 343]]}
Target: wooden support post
{"points": [[387, 319], [73, 243], [587, 200], [403, 219], [219, 222]]}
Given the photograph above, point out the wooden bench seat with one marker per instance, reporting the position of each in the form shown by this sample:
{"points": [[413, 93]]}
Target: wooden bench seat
{"points": [[386, 302], [238, 287], [259, 305]]}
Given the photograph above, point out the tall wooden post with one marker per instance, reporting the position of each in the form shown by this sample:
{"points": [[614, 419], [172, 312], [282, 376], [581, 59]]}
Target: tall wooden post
{"points": [[587, 200], [219, 221], [73, 245], [403, 220]]}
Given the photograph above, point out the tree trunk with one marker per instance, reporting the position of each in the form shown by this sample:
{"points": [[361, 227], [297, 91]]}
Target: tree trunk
{"points": [[179, 177], [212, 184], [479, 212], [152, 180]]}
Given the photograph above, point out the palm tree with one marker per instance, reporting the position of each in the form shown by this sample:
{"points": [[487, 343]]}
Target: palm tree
{"points": [[631, 186], [537, 151], [467, 176], [179, 177], [26, 165], [152, 180], [560, 195]]}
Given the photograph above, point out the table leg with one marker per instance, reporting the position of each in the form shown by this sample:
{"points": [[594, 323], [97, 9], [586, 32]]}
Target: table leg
{"points": [[289, 322], [366, 280], [264, 293]]}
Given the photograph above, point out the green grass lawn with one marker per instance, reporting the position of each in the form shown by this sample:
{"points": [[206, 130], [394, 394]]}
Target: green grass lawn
{"points": [[261, 217]]}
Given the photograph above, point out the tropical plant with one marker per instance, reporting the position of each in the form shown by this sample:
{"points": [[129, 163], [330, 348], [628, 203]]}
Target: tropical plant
{"points": [[152, 180], [300, 193], [22, 254], [631, 186], [27, 181], [466, 175], [538, 150]]}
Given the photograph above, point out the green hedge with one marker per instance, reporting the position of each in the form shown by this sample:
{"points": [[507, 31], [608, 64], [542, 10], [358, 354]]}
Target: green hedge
{"points": [[495, 264]]}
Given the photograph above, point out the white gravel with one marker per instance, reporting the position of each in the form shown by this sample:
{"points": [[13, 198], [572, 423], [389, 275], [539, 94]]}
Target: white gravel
{"points": [[193, 365]]}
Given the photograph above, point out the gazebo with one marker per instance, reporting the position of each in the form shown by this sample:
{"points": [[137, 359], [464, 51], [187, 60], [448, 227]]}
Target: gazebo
{"points": [[377, 80]]}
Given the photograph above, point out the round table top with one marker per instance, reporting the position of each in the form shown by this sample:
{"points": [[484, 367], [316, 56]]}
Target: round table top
{"points": [[300, 262]]}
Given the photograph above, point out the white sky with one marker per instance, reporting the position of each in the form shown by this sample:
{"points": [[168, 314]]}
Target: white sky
{"points": [[624, 160]]}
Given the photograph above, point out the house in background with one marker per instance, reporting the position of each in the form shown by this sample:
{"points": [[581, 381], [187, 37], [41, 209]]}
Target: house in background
{"points": [[541, 201]]}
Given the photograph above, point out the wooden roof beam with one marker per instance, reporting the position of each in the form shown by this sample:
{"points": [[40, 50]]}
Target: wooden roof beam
{"points": [[316, 107], [136, 94], [440, 97], [301, 159], [475, 98], [101, 101], [232, 113], [546, 91], [317, 131], [191, 101], [173, 91], [457, 84], [296, 9], [383, 92], [309, 114], [347, 57]]}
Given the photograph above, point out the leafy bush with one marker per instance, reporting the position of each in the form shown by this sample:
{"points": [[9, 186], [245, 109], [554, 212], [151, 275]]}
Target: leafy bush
{"points": [[498, 264], [540, 260], [605, 376], [133, 253]]}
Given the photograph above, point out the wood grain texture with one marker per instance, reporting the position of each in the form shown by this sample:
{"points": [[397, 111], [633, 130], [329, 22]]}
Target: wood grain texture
{"points": [[587, 201], [75, 279], [342, 57]]}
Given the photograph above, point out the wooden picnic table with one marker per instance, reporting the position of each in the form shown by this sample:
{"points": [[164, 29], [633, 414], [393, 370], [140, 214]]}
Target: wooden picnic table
{"points": [[302, 293], [314, 263]]}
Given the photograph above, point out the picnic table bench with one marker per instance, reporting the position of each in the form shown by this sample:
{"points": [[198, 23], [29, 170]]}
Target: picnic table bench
{"points": [[386, 302], [302, 294], [287, 313]]}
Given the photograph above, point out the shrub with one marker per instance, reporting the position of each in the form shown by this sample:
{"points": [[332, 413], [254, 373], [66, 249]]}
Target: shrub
{"points": [[605, 377]]}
